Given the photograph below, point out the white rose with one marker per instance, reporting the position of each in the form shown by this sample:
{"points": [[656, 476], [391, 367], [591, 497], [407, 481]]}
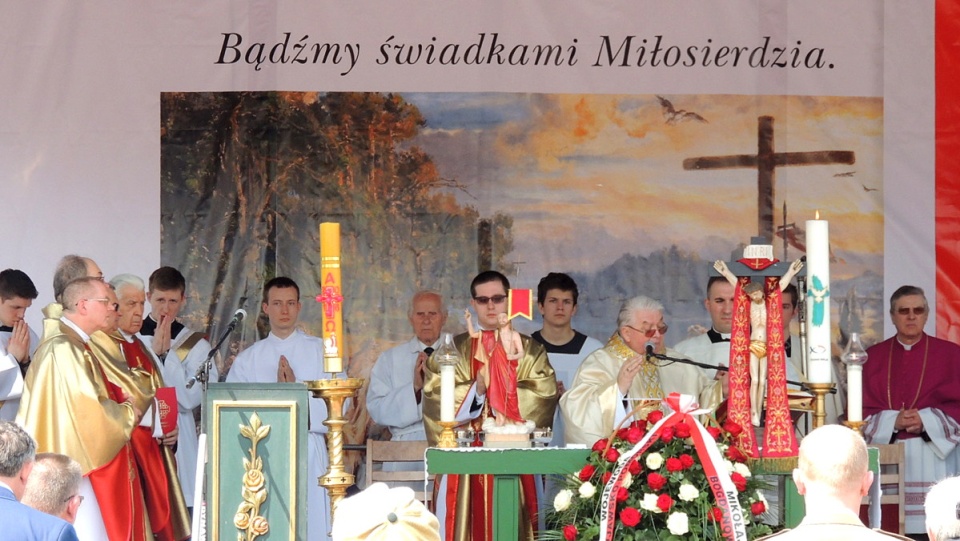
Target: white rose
{"points": [[742, 469], [654, 461], [563, 499], [587, 491], [649, 503], [678, 523], [688, 492], [627, 480], [729, 465]]}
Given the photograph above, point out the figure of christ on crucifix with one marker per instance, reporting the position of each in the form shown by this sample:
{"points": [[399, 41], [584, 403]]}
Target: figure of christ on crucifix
{"points": [[758, 333], [766, 161], [500, 357]]}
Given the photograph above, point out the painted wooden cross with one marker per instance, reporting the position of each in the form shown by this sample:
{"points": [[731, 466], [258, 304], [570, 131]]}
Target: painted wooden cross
{"points": [[766, 161]]}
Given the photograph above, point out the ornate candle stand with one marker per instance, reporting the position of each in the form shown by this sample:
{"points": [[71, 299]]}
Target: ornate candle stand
{"points": [[448, 440], [334, 392], [820, 391]]}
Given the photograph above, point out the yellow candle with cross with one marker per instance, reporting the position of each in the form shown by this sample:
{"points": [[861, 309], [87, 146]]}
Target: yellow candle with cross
{"points": [[331, 297]]}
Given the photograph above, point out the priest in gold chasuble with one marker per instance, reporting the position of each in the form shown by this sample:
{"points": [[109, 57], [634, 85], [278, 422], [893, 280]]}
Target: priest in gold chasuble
{"points": [[464, 508], [612, 381]]}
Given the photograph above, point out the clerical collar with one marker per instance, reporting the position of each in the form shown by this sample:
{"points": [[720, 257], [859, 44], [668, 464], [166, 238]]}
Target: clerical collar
{"points": [[149, 327], [717, 337], [127, 337], [6, 328], [83, 336], [908, 347]]}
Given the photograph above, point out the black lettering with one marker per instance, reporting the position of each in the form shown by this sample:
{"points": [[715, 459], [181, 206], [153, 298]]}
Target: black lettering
{"points": [[226, 45]]}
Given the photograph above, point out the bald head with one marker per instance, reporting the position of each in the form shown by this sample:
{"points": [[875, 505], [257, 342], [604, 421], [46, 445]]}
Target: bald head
{"points": [[70, 268], [833, 461]]}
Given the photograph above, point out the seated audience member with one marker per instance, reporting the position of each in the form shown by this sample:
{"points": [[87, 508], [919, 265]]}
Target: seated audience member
{"points": [[18, 521], [54, 486], [832, 477], [942, 509], [612, 380]]}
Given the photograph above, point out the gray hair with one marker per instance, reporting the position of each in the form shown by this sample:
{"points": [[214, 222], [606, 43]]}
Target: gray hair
{"points": [[127, 280], [68, 269], [905, 291], [17, 449], [426, 293], [942, 508], [54, 479], [630, 307], [75, 291]]}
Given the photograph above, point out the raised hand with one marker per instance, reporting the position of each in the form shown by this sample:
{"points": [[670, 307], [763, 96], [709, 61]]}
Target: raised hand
{"points": [[19, 345]]}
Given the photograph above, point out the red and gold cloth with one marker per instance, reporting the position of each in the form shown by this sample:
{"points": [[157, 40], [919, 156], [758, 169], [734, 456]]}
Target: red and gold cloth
{"points": [[779, 438]]}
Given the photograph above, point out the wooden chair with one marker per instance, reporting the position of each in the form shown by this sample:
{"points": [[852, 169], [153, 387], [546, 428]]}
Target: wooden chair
{"points": [[891, 479], [379, 452]]}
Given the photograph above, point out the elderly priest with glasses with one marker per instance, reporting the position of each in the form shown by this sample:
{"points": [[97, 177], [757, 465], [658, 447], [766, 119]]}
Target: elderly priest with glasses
{"points": [[614, 380]]}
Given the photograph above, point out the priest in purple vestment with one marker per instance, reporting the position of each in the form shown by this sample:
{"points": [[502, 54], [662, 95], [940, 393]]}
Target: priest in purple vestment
{"points": [[911, 396]]}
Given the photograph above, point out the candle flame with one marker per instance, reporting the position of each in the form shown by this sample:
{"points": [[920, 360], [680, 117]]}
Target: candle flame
{"points": [[816, 215]]}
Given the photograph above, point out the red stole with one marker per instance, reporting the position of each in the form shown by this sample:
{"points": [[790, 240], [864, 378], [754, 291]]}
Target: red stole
{"points": [[779, 438], [117, 486], [146, 451]]}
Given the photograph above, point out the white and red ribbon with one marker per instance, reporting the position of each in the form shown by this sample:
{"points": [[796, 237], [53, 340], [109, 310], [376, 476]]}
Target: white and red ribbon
{"points": [[733, 524]]}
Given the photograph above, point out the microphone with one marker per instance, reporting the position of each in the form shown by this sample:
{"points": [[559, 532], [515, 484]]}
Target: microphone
{"points": [[648, 348], [205, 365]]}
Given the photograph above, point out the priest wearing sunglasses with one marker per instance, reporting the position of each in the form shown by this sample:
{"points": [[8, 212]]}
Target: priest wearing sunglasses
{"points": [[614, 381]]}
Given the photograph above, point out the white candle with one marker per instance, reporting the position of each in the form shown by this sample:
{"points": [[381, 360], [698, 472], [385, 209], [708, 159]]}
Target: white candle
{"points": [[818, 302], [854, 392], [447, 385]]}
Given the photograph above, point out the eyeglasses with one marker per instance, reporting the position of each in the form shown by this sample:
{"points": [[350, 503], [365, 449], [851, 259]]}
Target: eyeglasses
{"points": [[917, 310], [74, 496], [106, 302], [497, 299], [662, 329]]}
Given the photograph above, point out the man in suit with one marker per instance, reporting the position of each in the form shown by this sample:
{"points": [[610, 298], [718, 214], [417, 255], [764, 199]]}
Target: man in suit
{"points": [[54, 486], [17, 452], [832, 477]]}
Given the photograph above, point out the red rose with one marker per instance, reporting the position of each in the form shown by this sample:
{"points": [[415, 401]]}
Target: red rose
{"points": [[630, 517], [735, 455], [666, 436], [733, 428], [656, 481], [634, 467], [682, 430], [641, 424], [686, 460], [600, 445], [634, 435], [714, 432], [716, 514], [605, 478], [612, 454], [757, 508], [570, 532], [622, 494], [654, 417], [622, 433], [664, 502], [587, 472], [739, 481], [674, 464]]}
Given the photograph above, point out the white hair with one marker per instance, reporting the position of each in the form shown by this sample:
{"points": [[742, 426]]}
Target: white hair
{"points": [[631, 306], [124, 280], [942, 508]]}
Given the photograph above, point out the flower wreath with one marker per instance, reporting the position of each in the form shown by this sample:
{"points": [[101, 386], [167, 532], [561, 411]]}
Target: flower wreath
{"points": [[677, 480]]}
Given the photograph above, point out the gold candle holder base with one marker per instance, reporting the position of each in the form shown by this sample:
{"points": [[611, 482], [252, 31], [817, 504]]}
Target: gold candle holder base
{"points": [[855, 425], [448, 440], [334, 392], [820, 391]]}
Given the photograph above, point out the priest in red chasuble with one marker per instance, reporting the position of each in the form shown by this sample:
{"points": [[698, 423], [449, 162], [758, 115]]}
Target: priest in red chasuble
{"points": [[464, 507], [911, 396], [70, 407], [129, 364]]}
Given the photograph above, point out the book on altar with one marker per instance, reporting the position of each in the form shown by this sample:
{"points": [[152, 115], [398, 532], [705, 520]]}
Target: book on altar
{"points": [[167, 408]]}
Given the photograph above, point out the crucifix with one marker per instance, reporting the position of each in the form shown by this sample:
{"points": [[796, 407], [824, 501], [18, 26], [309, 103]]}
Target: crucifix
{"points": [[766, 161]]}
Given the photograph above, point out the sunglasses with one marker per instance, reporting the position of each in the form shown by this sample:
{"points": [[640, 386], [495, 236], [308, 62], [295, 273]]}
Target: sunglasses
{"points": [[497, 299], [662, 329], [917, 310]]}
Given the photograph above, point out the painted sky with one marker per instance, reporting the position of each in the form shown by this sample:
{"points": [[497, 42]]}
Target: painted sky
{"points": [[590, 177]]}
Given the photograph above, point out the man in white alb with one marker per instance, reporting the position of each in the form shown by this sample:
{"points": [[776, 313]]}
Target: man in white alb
{"points": [[17, 339], [288, 355]]}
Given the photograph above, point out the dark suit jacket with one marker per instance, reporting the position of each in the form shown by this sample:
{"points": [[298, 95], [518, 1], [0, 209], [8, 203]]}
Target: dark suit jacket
{"points": [[27, 524]]}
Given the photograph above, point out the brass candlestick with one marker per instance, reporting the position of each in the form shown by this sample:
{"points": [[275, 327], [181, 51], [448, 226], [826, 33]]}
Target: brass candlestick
{"points": [[448, 440], [820, 391], [334, 392], [855, 425]]}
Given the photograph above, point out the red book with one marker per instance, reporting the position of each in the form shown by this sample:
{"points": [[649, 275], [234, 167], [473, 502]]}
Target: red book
{"points": [[167, 408]]}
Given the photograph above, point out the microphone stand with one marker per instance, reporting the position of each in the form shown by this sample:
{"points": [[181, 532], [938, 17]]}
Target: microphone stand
{"points": [[663, 357]]}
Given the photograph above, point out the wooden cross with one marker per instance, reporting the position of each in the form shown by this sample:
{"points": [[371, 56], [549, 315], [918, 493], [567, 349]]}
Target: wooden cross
{"points": [[766, 161]]}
